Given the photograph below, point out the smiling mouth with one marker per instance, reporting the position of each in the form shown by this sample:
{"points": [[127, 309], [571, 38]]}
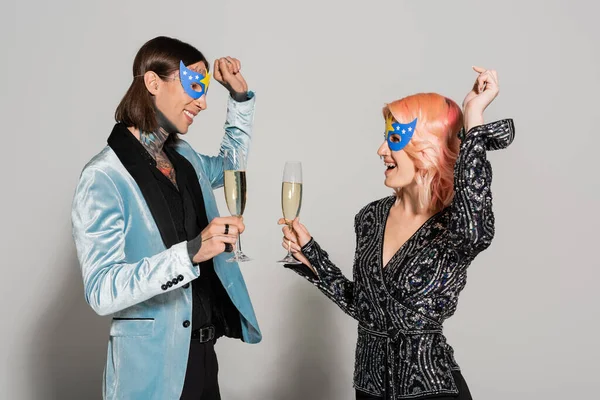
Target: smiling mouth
{"points": [[390, 166], [189, 114]]}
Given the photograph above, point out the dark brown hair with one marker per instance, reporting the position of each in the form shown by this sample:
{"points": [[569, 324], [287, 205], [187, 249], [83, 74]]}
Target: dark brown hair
{"points": [[160, 55]]}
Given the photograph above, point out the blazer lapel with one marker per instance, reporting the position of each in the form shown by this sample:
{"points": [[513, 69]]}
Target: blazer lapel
{"points": [[140, 164], [186, 174]]}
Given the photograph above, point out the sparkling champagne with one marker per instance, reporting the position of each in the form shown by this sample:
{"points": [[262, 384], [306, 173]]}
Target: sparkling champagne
{"points": [[235, 192], [291, 200]]}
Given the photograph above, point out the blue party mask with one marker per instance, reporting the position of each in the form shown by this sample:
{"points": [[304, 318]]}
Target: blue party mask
{"points": [[194, 83], [398, 135]]}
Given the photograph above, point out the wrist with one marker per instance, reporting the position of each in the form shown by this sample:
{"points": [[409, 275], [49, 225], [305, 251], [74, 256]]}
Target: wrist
{"points": [[198, 259], [193, 248], [240, 97], [472, 121]]}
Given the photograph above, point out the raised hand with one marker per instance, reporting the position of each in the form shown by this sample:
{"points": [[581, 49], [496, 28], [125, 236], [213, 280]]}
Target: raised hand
{"points": [[484, 91], [227, 73]]}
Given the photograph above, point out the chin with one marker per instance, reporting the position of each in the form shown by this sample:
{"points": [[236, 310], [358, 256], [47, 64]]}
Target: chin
{"points": [[396, 183], [391, 184]]}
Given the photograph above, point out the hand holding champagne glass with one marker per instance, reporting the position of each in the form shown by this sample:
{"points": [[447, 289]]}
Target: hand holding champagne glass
{"points": [[291, 199], [234, 167]]}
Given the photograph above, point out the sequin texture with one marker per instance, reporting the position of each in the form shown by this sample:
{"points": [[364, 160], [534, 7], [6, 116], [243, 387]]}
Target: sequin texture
{"points": [[401, 352]]}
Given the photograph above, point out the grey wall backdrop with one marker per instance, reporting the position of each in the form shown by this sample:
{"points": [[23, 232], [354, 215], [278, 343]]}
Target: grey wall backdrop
{"points": [[527, 322]]}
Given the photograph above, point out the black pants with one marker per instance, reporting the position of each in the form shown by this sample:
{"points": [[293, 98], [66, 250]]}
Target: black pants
{"points": [[463, 392], [201, 377]]}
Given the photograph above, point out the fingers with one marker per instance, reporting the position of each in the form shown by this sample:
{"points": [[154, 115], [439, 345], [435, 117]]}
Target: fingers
{"points": [[228, 73], [298, 233], [298, 227], [226, 69], [289, 235], [230, 65], [217, 71], [494, 74], [218, 244], [490, 82], [235, 65], [481, 82], [238, 221], [217, 226], [283, 221], [227, 245], [221, 238], [226, 239], [490, 75], [232, 230], [488, 78], [294, 247]]}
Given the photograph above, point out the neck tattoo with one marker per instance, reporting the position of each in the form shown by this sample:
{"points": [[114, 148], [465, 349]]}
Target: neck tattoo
{"points": [[154, 142]]}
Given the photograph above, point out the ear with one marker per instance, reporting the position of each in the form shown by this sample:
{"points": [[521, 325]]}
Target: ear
{"points": [[152, 82]]}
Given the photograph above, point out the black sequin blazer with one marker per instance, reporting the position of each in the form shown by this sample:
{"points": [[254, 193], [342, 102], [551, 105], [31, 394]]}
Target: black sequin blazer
{"points": [[401, 351]]}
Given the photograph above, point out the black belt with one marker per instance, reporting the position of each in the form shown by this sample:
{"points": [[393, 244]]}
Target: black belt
{"points": [[204, 335], [396, 334]]}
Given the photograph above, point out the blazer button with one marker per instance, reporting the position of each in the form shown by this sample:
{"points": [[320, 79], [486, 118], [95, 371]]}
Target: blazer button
{"points": [[175, 281], [169, 284], [187, 285], [164, 287], [180, 278], [186, 323]]}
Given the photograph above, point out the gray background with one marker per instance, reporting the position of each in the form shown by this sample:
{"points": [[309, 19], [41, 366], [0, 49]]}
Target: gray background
{"points": [[527, 323]]}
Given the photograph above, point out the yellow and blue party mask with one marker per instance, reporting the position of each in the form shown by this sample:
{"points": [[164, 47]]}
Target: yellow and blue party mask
{"points": [[194, 83], [398, 135]]}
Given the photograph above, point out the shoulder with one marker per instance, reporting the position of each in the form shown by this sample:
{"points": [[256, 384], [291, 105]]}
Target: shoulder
{"points": [[371, 211], [186, 150], [375, 205], [104, 171], [99, 182], [106, 162], [183, 146]]}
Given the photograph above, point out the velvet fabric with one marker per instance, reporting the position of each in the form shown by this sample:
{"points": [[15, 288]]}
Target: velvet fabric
{"points": [[128, 271]]}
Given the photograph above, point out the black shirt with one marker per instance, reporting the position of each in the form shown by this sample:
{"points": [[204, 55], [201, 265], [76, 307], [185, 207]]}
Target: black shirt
{"points": [[189, 221]]}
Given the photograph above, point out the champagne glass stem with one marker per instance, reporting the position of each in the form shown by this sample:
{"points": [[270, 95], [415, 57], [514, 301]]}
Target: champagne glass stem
{"points": [[289, 259], [290, 242], [239, 244]]}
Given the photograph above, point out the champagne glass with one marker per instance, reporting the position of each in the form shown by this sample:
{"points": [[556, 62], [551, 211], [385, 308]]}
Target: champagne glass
{"points": [[291, 199], [234, 167]]}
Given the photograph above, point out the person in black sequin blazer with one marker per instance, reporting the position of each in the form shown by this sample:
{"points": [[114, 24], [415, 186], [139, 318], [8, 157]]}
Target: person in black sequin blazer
{"points": [[413, 248]]}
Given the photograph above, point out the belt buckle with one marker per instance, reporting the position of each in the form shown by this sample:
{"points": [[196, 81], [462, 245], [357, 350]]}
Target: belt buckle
{"points": [[207, 334]]}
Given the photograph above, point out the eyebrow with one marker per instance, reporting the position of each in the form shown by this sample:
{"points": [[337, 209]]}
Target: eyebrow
{"points": [[203, 71]]}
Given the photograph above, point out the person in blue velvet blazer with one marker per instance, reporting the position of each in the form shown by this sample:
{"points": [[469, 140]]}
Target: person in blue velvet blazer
{"points": [[150, 242]]}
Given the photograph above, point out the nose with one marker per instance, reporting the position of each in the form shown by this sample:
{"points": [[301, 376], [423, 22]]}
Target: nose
{"points": [[201, 102], [383, 150]]}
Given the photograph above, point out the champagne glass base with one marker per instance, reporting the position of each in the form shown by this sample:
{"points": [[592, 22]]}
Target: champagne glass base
{"points": [[239, 257], [289, 260]]}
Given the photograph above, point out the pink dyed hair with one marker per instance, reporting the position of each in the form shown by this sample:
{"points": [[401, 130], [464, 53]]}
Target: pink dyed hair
{"points": [[434, 146]]}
